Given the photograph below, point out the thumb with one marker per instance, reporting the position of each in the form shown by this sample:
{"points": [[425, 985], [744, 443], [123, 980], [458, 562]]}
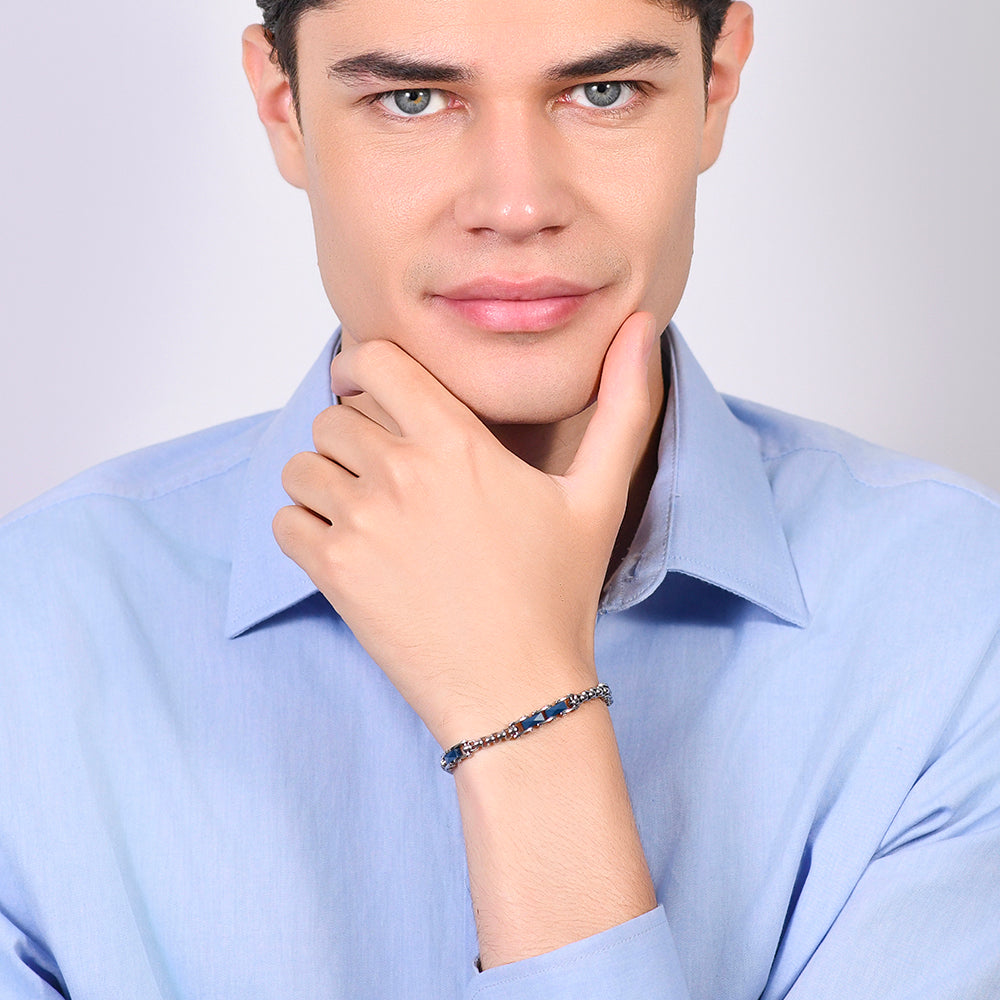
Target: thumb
{"points": [[617, 430]]}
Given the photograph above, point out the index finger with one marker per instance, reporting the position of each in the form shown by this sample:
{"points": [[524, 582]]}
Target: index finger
{"points": [[399, 384]]}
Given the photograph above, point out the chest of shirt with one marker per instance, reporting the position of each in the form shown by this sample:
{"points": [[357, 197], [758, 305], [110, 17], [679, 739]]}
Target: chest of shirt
{"points": [[272, 810]]}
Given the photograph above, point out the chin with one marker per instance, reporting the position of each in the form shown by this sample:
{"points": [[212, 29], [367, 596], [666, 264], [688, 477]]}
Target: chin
{"points": [[515, 379], [525, 406]]}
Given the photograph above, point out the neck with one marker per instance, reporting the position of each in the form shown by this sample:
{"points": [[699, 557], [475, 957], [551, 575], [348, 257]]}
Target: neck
{"points": [[550, 448]]}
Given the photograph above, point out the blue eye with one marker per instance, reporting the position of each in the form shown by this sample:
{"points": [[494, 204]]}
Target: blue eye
{"points": [[414, 103], [603, 95]]}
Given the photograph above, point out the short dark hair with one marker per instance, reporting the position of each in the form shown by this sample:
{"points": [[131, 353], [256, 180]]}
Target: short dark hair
{"points": [[281, 19]]}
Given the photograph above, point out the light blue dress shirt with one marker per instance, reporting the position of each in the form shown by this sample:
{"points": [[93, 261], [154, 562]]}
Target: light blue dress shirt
{"points": [[210, 791]]}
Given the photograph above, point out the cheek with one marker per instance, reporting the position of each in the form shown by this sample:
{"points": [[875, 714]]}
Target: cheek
{"points": [[659, 228], [370, 216], [671, 250]]}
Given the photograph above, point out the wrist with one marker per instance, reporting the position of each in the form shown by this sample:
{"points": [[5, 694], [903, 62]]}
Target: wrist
{"points": [[526, 725], [505, 696], [554, 855]]}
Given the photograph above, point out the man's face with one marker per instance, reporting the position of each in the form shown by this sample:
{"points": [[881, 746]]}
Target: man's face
{"points": [[489, 201]]}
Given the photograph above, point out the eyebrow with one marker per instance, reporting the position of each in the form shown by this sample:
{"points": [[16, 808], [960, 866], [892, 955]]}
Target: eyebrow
{"points": [[623, 56], [386, 66]]}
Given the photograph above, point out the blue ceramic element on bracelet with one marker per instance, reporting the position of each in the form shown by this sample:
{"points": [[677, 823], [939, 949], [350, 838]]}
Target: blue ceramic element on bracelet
{"points": [[526, 724]]}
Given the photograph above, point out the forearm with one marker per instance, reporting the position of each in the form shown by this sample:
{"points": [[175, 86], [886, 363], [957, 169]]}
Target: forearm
{"points": [[436, 544], [553, 852]]}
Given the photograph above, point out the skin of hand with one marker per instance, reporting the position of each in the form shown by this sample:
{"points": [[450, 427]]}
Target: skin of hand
{"points": [[470, 577]]}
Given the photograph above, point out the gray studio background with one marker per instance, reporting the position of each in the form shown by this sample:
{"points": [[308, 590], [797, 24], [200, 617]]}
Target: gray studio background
{"points": [[158, 276]]}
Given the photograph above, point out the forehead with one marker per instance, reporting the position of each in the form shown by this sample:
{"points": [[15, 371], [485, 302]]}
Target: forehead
{"points": [[480, 11], [522, 33]]}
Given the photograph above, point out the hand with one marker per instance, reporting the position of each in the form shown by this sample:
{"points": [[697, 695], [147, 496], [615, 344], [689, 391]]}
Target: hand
{"points": [[470, 577]]}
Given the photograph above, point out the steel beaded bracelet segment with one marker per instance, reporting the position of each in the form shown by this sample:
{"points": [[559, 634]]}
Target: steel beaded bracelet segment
{"points": [[526, 724]]}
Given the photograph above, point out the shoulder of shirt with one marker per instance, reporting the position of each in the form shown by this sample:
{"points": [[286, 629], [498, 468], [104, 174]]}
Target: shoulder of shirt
{"points": [[155, 471], [781, 436]]}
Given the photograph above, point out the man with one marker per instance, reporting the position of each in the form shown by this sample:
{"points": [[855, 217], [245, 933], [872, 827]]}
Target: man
{"points": [[221, 757]]}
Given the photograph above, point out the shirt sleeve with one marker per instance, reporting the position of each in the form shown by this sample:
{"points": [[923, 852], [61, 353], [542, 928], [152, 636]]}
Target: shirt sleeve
{"points": [[635, 961], [923, 919]]}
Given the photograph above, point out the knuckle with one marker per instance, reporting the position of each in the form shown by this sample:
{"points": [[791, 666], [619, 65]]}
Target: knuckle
{"points": [[330, 563], [283, 527], [325, 426], [461, 445], [320, 423], [402, 475], [357, 522], [296, 473]]}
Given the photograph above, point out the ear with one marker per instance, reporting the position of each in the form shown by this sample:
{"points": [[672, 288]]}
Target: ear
{"points": [[731, 53], [275, 106]]}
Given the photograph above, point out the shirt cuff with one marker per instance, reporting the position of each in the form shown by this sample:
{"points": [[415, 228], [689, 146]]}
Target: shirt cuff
{"points": [[636, 960]]}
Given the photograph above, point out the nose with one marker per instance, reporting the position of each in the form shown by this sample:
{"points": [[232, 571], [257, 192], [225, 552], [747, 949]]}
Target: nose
{"points": [[515, 185]]}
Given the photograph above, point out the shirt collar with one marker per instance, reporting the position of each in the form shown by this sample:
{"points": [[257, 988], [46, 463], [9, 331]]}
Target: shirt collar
{"points": [[710, 514], [263, 580]]}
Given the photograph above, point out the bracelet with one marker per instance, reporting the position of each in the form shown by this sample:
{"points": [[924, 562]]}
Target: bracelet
{"points": [[526, 724]]}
